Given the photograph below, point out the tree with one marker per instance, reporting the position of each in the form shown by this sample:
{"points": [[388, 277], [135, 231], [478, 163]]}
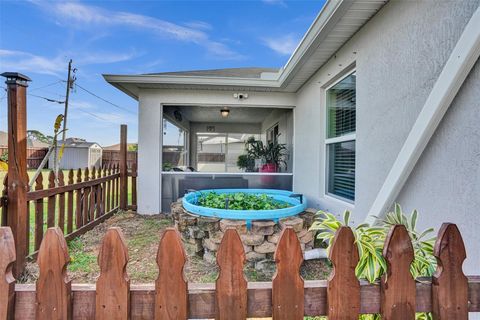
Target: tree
{"points": [[38, 136]]}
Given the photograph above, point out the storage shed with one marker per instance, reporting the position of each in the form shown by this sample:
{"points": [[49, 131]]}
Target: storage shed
{"points": [[79, 153]]}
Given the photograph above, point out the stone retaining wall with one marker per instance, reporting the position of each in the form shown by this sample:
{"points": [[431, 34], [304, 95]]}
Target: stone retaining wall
{"points": [[259, 242]]}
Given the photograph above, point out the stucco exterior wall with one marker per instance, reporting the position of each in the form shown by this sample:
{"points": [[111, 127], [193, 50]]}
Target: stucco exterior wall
{"points": [[445, 184], [398, 56]]}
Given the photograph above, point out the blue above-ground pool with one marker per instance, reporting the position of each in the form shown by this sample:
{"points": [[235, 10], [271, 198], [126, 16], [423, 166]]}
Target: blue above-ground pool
{"points": [[296, 201]]}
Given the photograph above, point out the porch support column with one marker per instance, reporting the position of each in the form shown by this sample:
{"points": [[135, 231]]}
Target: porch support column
{"points": [[123, 168], [17, 215], [150, 132]]}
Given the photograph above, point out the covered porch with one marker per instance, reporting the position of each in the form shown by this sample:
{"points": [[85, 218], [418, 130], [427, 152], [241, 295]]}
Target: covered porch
{"points": [[210, 147]]}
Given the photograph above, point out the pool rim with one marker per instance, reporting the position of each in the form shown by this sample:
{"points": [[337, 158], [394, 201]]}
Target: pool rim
{"points": [[249, 215]]}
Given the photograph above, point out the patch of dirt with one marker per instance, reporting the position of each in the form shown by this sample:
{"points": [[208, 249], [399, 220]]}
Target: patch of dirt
{"points": [[142, 234]]}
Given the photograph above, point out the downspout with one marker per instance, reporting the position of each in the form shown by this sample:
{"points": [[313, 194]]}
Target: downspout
{"points": [[454, 73]]}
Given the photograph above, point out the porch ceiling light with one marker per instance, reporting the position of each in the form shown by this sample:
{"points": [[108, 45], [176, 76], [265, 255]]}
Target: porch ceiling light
{"points": [[224, 112]]}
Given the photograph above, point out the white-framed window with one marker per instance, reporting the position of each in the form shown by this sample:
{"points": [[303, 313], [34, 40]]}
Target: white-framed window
{"points": [[340, 138], [272, 134]]}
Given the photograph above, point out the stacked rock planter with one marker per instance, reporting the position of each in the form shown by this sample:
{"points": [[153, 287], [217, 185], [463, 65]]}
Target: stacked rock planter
{"points": [[259, 242]]}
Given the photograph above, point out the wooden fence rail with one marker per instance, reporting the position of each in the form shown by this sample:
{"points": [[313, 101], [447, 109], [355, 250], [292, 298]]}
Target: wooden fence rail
{"points": [[79, 202], [77, 206], [448, 295]]}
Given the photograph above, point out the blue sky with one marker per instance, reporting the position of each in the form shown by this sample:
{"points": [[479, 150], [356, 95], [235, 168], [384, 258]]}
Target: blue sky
{"points": [[38, 38]]}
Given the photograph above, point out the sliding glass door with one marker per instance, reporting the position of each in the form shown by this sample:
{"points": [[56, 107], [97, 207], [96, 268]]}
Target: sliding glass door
{"points": [[219, 152]]}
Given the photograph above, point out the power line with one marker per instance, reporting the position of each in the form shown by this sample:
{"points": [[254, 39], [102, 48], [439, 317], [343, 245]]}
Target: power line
{"points": [[46, 86], [45, 98], [104, 100], [62, 102], [94, 115]]}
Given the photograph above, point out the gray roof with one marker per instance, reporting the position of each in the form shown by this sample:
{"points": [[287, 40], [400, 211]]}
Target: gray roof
{"points": [[336, 23], [31, 143], [250, 72], [76, 143]]}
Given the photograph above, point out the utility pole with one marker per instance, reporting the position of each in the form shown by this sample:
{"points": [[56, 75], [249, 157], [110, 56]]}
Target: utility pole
{"points": [[53, 147], [70, 81]]}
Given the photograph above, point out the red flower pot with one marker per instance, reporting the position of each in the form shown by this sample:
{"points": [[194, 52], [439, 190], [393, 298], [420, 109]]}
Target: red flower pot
{"points": [[268, 181], [269, 167]]}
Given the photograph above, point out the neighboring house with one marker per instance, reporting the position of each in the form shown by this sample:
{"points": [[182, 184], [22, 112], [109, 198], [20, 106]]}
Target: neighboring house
{"points": [[361, 105], [77, 154], [31, 143], [36, 150]]}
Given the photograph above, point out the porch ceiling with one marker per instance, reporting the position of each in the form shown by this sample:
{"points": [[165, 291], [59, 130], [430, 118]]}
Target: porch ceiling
{"points": [[212, 114]]}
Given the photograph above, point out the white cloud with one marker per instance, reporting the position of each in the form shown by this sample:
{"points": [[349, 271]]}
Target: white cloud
{"points": [[82, 15], [275, 2], [103, 57], [28, 62], [201, 25], [283, 45]]}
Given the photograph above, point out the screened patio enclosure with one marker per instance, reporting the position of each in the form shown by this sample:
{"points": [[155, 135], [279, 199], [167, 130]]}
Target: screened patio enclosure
{"points": [[206, 147]]}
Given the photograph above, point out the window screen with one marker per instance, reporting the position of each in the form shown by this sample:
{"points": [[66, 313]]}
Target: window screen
{"points": [[342, 169], [340, 142], [341, 107]]}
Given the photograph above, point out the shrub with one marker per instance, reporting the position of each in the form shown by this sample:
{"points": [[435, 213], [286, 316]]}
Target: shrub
{"points": [[371, 239]]}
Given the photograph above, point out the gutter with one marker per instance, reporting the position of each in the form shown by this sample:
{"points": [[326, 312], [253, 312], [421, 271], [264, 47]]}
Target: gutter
{"points": [[458, 66]]}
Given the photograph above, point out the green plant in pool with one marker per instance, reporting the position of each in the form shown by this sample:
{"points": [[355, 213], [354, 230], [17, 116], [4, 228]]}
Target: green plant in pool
{"points": [[240, 201]]}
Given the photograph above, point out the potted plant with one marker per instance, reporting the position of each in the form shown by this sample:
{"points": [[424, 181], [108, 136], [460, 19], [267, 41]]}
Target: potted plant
{"points": [[272, 154], [246, 163]]}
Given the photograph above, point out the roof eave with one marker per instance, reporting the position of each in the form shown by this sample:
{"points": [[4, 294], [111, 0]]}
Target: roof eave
{"points": [[330, 14], [328, 17]]}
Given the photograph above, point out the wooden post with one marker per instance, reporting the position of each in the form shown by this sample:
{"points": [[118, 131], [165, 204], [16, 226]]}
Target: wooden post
{"points": [[171, 293], [449, 283], [113, 285], [7, 281], [287, 286], [17, 214], [53, 287], [397, 287], [123, 167], [231, 286], [343, 284]]}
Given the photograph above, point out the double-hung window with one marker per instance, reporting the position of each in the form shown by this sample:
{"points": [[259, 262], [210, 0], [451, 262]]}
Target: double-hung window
{"points": [[340, 138]]}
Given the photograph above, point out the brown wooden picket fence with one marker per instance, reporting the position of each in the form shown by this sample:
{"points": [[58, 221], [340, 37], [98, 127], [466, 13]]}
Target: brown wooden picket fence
{"points": [[34, 156], [448, 295], [132, 173], [79, 202]]}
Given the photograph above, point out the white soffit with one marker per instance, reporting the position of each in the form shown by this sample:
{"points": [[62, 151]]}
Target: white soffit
{"points": [[337, 22]]}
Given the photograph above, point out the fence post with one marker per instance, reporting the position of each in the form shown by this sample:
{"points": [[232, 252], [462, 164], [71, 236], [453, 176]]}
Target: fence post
{"points": [[288, 302], [123, 167], [7, 281], [17, 214]]}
